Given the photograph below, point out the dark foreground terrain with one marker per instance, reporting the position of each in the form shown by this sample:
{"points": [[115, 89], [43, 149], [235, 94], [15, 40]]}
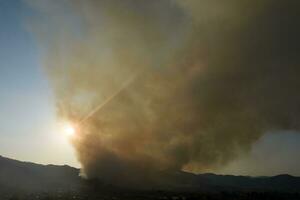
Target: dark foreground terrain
{"points": [[155, 195], [29, 181]]}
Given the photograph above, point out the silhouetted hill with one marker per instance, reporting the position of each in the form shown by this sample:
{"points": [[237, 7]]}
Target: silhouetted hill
{"points": [[26, 176], [278, 183], [213, 182], [29, 177]]}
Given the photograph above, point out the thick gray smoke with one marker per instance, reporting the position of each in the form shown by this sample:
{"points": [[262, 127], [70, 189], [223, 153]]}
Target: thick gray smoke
{"points": [[209, 78]]}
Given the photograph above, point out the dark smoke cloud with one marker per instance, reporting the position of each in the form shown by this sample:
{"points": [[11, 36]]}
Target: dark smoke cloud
{"points": [[210, 78]]}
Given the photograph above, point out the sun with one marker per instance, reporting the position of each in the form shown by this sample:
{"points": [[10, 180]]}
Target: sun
{"points": [[69, 130]]}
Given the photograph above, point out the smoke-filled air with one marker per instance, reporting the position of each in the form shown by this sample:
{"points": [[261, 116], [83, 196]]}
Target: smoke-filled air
{"points": [[158, 85]]}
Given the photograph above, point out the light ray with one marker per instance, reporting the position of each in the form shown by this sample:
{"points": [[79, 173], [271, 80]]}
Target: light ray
{"points": [[100, 106]]}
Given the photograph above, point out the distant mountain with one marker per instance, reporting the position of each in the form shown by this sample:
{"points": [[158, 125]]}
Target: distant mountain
{"points": [[24, 176], [213, 182], [275, 183]]}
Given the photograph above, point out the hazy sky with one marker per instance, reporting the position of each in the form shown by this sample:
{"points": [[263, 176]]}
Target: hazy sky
{"points": [[28, 128], [28, 125]]}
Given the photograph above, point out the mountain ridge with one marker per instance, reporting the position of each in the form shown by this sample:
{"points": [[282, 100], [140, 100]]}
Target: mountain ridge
{"points": [[33, 177]]}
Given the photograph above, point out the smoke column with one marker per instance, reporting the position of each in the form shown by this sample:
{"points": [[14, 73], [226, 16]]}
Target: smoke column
{"points": [[212, 78]]}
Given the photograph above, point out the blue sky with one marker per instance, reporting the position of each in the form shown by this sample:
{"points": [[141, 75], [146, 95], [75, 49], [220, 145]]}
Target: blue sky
{"points": [[27, 113], [28, 126]]}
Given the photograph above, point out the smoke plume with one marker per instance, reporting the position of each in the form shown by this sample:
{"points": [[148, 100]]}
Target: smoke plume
{"points": [[207, 79]]}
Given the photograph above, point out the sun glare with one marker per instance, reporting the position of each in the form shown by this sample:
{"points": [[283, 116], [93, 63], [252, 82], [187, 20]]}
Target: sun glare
{"points": [[69, 130]]}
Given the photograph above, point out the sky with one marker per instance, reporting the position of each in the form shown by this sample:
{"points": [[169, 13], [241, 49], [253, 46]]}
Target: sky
{"points": [[28, 125], [29, 128]]}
